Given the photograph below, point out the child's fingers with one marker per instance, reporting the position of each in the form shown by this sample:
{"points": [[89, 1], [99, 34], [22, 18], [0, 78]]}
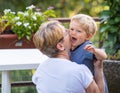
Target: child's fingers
{"points": [[88, 47]]}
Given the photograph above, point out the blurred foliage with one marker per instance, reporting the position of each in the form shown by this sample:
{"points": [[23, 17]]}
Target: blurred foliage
{"points": [[22, 75], [28, 89], [63, 8], [110, 28], [16, 5]]}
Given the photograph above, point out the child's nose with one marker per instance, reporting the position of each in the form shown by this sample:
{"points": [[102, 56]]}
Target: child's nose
{"points": [[73, 32]]}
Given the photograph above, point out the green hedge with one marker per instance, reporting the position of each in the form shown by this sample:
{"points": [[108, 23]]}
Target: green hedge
{"points": [[110, 28]]}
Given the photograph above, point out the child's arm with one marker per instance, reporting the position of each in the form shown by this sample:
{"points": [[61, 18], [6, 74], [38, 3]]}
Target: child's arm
{"points": [[100, 54]]}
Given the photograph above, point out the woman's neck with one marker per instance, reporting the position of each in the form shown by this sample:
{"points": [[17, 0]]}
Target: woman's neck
{"points": [[63, 55]]}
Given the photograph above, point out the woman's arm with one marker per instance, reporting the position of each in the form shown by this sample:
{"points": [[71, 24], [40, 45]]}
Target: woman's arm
{"points": [[97, 86]]}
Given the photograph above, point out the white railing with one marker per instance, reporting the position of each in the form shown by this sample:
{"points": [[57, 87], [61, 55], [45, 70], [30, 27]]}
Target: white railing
{"points": [[17, 59]]}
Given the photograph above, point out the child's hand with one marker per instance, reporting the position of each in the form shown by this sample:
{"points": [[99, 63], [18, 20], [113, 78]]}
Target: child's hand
{"points": [[90, 48], [100, 54]]}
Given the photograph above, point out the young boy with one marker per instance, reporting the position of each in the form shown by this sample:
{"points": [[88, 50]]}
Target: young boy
{"points": [[82, 29]]}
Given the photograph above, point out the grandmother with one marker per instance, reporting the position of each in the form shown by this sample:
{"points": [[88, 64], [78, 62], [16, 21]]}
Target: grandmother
{"points": [[58, 74]]}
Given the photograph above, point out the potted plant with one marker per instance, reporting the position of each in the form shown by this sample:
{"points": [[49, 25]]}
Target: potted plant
{"points": [[20, 26]]}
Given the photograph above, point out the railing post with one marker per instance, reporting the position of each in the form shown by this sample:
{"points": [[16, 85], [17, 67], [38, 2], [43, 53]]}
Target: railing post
{"points": [[6, 84]]}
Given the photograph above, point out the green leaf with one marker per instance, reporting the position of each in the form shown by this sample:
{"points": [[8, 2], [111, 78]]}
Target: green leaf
{"points": [[104, 28], [117, 19], [113, 29], [105, 13]]}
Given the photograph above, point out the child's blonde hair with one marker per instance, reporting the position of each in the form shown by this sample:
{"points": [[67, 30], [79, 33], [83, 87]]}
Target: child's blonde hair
{"points": [[87, 23]]}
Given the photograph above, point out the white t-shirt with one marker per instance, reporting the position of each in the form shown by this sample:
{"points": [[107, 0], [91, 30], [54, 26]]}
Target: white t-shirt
{"points": [[57, 75]]}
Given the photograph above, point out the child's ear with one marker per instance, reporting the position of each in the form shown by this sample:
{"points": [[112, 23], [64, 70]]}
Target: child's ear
{"points": [[89, 36], [60, 46]]}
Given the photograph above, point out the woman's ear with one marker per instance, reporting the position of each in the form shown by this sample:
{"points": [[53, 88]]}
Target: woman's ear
{"points": [[60, 46]]}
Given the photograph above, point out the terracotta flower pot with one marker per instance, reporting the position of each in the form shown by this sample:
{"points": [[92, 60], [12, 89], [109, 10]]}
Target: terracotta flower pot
{"points": [[11, 41]]}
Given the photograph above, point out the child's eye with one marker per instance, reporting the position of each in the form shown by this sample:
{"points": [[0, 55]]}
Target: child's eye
{"points": [[78, 31], [71, 29]]}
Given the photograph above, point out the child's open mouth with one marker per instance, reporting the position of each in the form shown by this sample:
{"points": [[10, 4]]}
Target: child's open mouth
{"points": [[73, 39]]}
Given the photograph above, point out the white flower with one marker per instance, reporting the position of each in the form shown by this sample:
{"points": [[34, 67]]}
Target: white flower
{"points": [[29, 27], [34, 24], [26, 14], [16, 18], [30, 7], [19, 23], [19, 12], [38, 13], [34, 17], [26, 24], [7, 11], [12, 12]]}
